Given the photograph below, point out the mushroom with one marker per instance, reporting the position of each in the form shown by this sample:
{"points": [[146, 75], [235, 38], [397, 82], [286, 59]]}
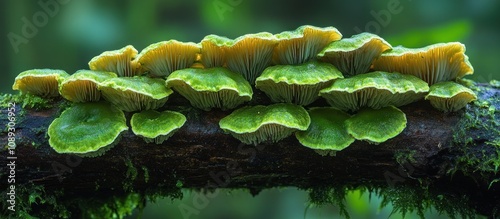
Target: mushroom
{"points": [[135, 93], [257, 124], [250, 54], [376, 125], [354, 55], [157, 127], [211, 87], [40, 82], [161, 59], [449, 96], [303, 44], [213, 51], [87, 129], [299, 84], [82, 86], [433, 64], [122, 62], [375, 90]]}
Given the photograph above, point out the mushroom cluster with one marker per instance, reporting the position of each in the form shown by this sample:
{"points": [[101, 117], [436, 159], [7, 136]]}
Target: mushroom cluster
{"points": [[362, 78]]}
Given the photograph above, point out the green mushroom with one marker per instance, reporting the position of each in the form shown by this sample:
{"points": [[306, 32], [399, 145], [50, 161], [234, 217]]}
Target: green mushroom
{"points": [[257, 124], [374, 90], [327, 132], [82, 86], [122, 62], [213, 51], [157, 127], [135, 93], [299, 84], [87, 129], [450, 96], [40, 82], [211, 87], [376, 125], [354, 55]]}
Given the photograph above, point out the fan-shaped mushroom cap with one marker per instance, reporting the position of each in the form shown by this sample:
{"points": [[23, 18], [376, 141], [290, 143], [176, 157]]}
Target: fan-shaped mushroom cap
{"points": [[433, 64], [156, 126], [354, 55], [299, 84], [161, 59], [449, 96], [82, 86], [374, 90], [213, 51], [122, 62], [256, 124], [211, 87], [40, 82], [135, 93], [87, 129], [303, 44]]}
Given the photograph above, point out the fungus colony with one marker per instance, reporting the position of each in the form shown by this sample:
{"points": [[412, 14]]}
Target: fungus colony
{"points": [[362, 78]]}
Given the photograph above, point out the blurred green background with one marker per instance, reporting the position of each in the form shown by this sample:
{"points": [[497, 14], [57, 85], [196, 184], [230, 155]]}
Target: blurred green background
{"points": [[66, 34]]}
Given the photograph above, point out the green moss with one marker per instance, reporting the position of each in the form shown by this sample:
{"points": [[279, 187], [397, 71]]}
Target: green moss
{"points": [[146, 174], [26, 101], [130, 175], [112, 207], [179, 184]]}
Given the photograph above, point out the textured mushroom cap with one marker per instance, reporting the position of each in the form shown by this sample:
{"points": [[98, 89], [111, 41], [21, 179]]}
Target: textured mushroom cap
{"points": [[299, 84], [211, 87], [40, 82], [82, 86], [303, 44], [376, 125], [161, 59], [119, 61], [135, 93], [374, 90], [156, 126], [250, 54], [449, 96], [256, 124], [86, 128], [327, 130], [433, 64], [213, 50], [354, 55]]}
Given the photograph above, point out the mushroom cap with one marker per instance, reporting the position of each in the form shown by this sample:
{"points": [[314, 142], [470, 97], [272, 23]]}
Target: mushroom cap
{"points": [[156, 126], [256, 124], [433, 64], [82, 86], [211, 87], [86, 128], [376, 125], [213, 50], [354, 55], [450, 96], [250, 54], [135, 93], [40, 82], [375, 90], [161, 59], [299, 84], [327, 130], [119, 61], [302, 44]]}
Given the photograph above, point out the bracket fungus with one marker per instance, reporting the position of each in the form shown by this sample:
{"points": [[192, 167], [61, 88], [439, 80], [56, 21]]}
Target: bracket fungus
{"points": [[433, 64], [135, 93], [211, 87], [376, 125], [302, 44], [87, 129], [449, 96], [122, 62], [157, 127], [82, 86], [40, 82], [213, 50], [250, 54], [257, 124], [161, 59], [374, 90], [354, 55], [299, 84]]}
